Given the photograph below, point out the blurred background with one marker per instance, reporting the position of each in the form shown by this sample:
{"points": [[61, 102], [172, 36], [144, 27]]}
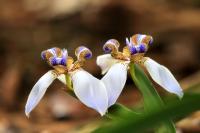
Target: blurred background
{"points": [[28, 27]]}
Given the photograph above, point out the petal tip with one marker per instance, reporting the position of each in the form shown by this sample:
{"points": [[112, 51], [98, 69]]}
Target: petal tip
{"points": [[27, 113], [102, 112], [180, 95], [90, 91]]}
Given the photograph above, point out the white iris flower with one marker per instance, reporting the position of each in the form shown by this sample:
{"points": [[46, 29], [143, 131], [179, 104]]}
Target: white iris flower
{"points": [[116, 64], [88, 89]]}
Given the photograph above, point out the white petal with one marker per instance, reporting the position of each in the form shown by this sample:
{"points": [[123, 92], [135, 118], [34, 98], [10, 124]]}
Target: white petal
{"points": [[161, 75], [114, 81], [62, 78], [90, 91], [105, 62], [38, 91], [128, 43]]}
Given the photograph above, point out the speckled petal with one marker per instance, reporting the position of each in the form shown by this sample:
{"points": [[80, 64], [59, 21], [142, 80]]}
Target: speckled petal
{"points": [[90, 91], [83, 52], [111, 46], [114, 81], [105, 62], [140, 37], [161, 75], [38, 91]]}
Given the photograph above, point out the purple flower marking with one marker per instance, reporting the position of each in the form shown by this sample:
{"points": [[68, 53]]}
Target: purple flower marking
{"points": [[142, 48], [133, 50], [43, 55]]}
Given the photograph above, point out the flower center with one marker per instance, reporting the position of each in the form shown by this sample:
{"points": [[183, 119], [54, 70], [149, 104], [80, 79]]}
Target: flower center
{"points": [[62, 63], [138, 45]]}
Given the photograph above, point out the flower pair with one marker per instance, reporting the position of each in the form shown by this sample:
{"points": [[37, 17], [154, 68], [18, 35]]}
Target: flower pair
{"points": [[95, 93]]}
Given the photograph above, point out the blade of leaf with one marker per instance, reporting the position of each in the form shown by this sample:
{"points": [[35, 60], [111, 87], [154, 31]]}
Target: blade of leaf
{"points": [[117, 111], [151, 98], [174, 108]]}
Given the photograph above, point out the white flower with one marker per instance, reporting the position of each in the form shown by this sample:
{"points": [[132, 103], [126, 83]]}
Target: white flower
{"points": [[116, 63], [88, 89]]}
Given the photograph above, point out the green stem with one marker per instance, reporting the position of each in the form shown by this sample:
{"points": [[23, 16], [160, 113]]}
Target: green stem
{"points": [[68, 81], [69, 85]]}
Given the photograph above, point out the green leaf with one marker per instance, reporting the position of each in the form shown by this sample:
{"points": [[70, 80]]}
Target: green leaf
{"points": [[151, 98], [174, 108], [117, 111]]}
